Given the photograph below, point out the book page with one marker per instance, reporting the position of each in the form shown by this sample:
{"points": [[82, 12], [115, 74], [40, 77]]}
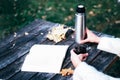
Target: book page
{"points": [[45, 58]]}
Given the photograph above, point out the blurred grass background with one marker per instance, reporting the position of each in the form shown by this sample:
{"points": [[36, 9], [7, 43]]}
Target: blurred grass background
{"points": [[102, 15]]}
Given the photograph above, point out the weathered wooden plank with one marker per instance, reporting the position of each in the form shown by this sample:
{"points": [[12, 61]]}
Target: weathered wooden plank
{"points": [[13, 52], [114, 69], [24, 38], [14, 70], [102, 61], [59, 77], [5, 66], [23, 76], [10, 44], [43, 76], [93, 53], [36, 40], [21, 41], [21, 32], [10, 70], [19, 53]]}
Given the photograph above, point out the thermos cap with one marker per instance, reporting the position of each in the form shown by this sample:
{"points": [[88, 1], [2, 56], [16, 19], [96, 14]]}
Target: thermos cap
{"points": [[80, 9]]}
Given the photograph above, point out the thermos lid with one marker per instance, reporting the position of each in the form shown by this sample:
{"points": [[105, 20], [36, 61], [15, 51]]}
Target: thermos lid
{"points": [[80, 9]]}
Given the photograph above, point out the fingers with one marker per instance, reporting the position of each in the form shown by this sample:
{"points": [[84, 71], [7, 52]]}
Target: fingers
{"points": [[74, 58], [80, 56], [87, 39], [84, 41], [83, 57], [77, 59]]}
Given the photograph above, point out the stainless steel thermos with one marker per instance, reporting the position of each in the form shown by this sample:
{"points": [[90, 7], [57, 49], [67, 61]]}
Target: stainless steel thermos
{"points": [[80, 27], [80, 23]]}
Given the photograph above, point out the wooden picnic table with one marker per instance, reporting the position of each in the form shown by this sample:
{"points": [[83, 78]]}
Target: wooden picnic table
{"points": [[14, 48]]}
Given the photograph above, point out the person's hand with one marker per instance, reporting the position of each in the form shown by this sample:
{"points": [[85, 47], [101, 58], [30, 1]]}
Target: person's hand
{"points": [[77, 59], [91, 37]]}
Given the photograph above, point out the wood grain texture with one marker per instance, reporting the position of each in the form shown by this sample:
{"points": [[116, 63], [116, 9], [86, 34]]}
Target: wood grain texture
{"points": [[14, 48]]}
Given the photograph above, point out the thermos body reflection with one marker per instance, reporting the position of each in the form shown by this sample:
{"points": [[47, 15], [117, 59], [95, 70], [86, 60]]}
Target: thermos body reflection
{"points": [[80, 27]]}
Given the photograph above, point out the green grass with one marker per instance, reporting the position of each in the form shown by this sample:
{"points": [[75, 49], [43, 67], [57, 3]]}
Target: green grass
{"points": [[101, 15]]}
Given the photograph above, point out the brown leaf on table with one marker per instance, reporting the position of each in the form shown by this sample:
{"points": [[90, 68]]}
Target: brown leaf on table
{"points": [[66, 72]]}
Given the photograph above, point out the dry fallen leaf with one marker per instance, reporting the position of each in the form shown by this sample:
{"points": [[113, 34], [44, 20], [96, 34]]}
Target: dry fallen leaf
{"points": [[66, 71]]}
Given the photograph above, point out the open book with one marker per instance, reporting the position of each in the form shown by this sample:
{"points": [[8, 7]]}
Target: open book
{"points": [[45, 58]]}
